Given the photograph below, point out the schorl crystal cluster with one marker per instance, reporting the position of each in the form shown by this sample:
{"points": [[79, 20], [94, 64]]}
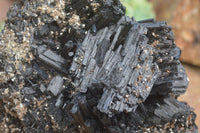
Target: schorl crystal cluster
{"points": [[82, 66]]}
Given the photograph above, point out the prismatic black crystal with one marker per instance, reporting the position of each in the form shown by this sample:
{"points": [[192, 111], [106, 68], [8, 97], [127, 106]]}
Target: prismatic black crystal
{"points": [[81, 66], [120, 63]]}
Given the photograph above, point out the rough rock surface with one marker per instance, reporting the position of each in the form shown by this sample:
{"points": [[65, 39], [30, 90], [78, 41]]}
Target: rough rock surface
{"points": [[82, 66]]}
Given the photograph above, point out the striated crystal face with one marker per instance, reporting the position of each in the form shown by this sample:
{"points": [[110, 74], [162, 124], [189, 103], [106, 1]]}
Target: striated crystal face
{"points": [[82, 66], [120, 62]]}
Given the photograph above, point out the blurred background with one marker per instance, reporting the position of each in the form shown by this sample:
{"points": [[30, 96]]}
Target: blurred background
{"points": [[184, 16]]}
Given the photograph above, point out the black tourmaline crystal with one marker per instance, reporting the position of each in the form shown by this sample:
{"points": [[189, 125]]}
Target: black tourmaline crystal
{"points": [[81, 66]]}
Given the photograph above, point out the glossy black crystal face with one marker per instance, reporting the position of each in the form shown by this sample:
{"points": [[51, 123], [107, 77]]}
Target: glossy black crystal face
{"points": [[82, 66]]}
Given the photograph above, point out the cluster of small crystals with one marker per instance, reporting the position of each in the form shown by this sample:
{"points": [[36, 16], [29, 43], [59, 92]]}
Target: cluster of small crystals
{"points": [[15, 47], [14, 107], [16, 51], [95, 6], [180, 124], [15, 54], [75, 21], [56, 12]]}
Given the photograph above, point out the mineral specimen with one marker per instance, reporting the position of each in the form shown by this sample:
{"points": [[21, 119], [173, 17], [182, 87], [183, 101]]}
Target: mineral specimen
{"points": [[82, 66], [120, 62], [173, 78]]}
